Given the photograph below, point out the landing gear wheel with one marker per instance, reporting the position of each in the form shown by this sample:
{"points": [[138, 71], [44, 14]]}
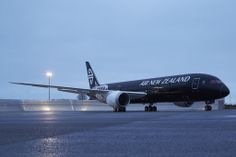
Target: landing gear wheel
{"points": [[150, 108], [119, 109], [123, 109], [208, 108], [154, 109]]}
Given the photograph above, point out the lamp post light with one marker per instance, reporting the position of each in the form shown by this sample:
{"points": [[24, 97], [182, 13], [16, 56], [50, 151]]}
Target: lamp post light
{"points": [[49, 76]]}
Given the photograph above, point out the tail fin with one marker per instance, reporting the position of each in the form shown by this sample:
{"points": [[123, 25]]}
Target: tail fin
{"points": [[93, 82]]}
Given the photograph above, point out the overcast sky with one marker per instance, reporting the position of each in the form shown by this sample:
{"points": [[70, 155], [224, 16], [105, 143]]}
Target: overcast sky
{"points": [[123, 40]]}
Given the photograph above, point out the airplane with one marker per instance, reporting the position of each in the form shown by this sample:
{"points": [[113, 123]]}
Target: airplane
{"points": [[183, 90]]}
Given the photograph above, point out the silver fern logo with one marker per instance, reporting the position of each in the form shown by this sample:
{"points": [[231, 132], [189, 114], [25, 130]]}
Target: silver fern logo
{"points": [[90, 76]]}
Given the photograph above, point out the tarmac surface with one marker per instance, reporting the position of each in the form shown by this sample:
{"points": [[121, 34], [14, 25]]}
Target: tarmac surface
{"points": [[73, 134]]}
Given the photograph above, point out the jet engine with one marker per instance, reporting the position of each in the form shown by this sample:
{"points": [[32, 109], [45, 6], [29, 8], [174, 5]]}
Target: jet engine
{"points": [[184, 104], [117, 99]]}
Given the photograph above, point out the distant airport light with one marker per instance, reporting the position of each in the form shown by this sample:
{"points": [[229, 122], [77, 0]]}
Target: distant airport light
{"points": [[49, 74]]}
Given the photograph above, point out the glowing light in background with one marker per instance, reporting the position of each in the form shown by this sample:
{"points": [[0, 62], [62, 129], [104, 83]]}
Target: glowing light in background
{"points": [[49, 74], [46, 108]]}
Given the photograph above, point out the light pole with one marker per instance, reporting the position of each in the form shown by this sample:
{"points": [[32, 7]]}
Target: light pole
{"points": [[49, 76]]}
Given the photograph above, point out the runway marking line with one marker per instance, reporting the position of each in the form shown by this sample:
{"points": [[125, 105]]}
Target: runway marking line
{"points": [[230, 116]]}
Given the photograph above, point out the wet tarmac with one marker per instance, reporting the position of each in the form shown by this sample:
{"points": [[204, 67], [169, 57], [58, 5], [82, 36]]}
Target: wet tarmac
{"points": [[73, 134]]}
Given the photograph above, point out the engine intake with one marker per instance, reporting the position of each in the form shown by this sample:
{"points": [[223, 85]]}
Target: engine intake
{"points": [[117, 98]]}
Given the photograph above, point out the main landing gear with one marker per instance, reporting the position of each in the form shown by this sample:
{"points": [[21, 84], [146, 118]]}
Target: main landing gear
{"points": [[150, 108], [119, 109]]}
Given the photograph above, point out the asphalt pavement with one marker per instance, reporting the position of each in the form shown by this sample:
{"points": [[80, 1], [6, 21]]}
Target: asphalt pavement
{"points": [[73, 134]]}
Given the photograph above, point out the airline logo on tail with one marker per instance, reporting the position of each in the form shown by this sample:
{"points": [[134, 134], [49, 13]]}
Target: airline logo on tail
{"points": [[90, 76], [93, 82]]}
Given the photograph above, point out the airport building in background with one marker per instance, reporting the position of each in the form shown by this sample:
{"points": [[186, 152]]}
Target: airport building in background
{"points": [[93, 105]]}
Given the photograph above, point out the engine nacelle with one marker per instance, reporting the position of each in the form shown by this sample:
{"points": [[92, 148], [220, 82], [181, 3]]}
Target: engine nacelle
{"points": [[83, 97], [184, 104], [117, 98]]}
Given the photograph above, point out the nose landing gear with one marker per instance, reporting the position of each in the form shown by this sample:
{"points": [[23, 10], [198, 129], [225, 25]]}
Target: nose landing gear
{"points": [[208, 108]]}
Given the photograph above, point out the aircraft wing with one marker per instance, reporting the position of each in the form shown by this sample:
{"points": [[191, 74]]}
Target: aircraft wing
{"points": [[89, 92]]}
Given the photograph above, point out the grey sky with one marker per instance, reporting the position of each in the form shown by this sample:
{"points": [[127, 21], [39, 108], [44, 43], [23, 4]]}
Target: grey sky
{"points": [[122, 39]]}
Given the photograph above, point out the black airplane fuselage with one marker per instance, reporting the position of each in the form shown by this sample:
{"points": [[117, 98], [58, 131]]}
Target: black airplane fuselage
{"points": [[177, 88]]}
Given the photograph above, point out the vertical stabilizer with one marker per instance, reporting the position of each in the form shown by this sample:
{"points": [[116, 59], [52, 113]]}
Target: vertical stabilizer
{"points": [[93, 82]]}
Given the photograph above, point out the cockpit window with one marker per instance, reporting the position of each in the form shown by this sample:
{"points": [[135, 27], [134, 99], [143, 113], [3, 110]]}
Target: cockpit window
{"points": [[215, 82]]}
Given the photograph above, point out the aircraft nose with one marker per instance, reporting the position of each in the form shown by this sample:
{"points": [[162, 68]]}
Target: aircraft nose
{"points": [[224, 91]]}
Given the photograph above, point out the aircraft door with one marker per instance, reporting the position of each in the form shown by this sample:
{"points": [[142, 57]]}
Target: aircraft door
{"points": [[195, 83]]}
